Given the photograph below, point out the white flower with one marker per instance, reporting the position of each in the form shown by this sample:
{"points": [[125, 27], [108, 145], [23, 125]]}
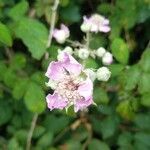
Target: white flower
{"points": [[61, 34], [103, 74], [107, 59], [90, 73], [83, 53], [100, 52]]}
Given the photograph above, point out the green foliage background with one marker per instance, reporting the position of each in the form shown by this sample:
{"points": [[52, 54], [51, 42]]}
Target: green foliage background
{"points": [[121, 121]]}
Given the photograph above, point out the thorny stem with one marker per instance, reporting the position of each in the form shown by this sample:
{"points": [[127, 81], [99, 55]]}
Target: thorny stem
{"points": [[52, 24], [33, 124]]}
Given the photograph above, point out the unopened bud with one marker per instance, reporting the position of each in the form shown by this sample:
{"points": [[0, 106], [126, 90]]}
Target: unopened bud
{"points": [[83, 53], [91, 74], [103, 74], [107, 59], [100, 52], [85, 27]]}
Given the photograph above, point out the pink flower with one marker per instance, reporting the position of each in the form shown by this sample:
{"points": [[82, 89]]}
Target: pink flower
{"points": [[61, 34], [71, 87], [96, 23]]}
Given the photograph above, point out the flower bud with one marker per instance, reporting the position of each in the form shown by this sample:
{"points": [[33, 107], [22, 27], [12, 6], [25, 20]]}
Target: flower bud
{"points": [[68, 50], [83, 53], [100, 52], [103, 74], [91, 74], [52, 84], [85, 27], [60, 36], [107, 59]]}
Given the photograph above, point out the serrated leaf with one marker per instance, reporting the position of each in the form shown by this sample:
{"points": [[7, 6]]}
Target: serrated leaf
{"points": [[5, 35], [34, 35], [120, 50], [35, 98], [19, 10]]}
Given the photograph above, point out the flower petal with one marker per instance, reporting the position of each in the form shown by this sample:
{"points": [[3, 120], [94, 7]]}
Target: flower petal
{"points": [[55, 101], [86, 88], [81, 104], [55, 71], [71, 65], [65, 29], [104, 28]]}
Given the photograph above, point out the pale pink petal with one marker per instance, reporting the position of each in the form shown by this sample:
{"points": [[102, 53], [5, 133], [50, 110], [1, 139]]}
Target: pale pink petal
{"points": [[55, 71], [65, 29], [82, 104], [104, 29], [55, 101], [86, 88], [71, 65]]}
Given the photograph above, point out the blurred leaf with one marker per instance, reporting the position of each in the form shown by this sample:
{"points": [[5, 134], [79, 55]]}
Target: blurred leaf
{"points": [[45, 140], [120, 50], [126, 110], [100, 96], [142, 121], [116, 69], [38, 131], [18, 61], [142, 138], [145, 60], [14, 144], [145, 100], [98, 145], [34, 35], [3, 69], [73, 145], [19, 10], [5, 112], [144, 83], [132, 77], [35, 98], [5, 36], [108, 126], [91, 63], [125, 139], [20, 88], [70, 13]]}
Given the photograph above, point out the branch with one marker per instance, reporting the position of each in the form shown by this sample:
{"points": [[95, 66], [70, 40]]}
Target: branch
{"points": [[52, 24], [33, 124]]}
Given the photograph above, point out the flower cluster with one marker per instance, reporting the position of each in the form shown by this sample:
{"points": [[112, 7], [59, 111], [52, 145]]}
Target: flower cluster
{"points": [[71, 81]]}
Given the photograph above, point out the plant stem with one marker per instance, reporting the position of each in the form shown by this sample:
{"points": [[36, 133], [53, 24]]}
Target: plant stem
{"points": [[52, 24], [33, 124], [87, 39]]}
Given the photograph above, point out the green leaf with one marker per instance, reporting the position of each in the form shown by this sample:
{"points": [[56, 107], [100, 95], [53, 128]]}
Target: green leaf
{"points": [[19, 10], [142, 121], [20, 88], [18, 61], [91, 63], [34, 35], [98, 145], [143, 138], [120, 50], [145, 61], [35, 98], [116, 69], [145, 100], [5, 112], [126, 110], [144, 83], [3, 69], [108, 126], [5, 35], [125, 139], [70, 13], [100, 96], [132, 77]]}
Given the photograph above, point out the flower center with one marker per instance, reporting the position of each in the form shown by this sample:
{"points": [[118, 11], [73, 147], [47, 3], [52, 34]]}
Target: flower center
{"points": [[68, 88]]}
